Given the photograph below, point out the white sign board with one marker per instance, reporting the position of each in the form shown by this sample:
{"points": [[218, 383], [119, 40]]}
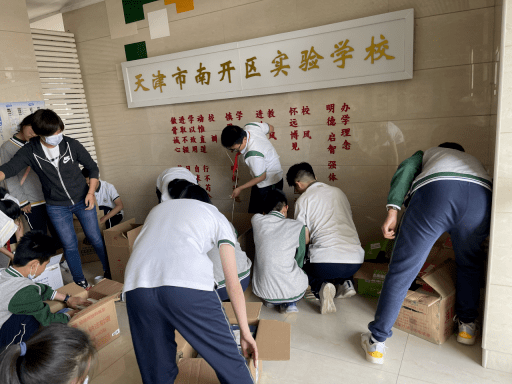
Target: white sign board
{"points": [[368, 50], [11, 115], [52, 275]]}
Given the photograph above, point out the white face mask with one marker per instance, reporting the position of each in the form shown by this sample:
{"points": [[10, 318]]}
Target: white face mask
{"points": [[30, 276], [86, 381], [53, 140]]}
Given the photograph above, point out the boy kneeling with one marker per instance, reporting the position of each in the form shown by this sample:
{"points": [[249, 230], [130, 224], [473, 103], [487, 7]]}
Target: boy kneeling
{"points": [[280, 250]]}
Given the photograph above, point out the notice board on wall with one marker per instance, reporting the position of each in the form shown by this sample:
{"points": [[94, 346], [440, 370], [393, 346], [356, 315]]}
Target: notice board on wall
{"points": [[367, 50], [11, 115]]}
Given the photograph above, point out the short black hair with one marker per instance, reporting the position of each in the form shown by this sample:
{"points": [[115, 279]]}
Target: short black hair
{"points": [[85, 172], [232, 135], [46, 122], [456, 146], [34, 245], [275, 201], [298, 171], [10, 208], [26, 121], [184, 189]]}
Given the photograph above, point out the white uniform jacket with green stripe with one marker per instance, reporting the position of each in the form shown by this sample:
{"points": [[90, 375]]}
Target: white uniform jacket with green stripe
{"points": [[260, 155], [280, 250], [21, 296], [433, 165], [243, 263], [171, 248]]}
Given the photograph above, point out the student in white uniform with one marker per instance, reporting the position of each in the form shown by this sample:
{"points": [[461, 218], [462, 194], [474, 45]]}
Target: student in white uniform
{"points": [[261, 158], [169, 285], [108, 201], [243, 267], [335, 252], [169, 175], [280, 251]]}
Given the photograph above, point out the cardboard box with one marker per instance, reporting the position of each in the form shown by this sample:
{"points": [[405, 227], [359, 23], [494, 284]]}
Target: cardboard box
{"points": [[69, 289], [119, 242], [52, 275], [184, 349], [370, 277], [379, 251], [429, 315], [100, 319], [99, 213], [86, 250], [273, 338]]}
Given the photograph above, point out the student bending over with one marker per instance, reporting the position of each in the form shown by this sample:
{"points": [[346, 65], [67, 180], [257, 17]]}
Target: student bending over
{"points": [[280, 251]]}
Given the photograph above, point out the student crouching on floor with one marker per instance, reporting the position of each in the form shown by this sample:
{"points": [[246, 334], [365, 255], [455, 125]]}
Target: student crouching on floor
{"points": [[280, 251], [335, 252], [22, 307], [108, 201], [169, 285], [57, 354], [55, 158]]}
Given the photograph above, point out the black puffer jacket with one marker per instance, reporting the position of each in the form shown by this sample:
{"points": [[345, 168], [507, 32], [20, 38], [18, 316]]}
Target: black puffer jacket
{"points": [[61, 186]]}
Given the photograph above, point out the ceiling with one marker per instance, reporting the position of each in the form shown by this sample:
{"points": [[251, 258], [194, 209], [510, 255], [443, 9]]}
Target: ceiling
{"points": [[39, 9]]}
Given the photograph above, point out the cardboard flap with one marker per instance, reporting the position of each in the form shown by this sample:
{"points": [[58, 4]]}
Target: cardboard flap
{"points": [[273, 339], [370, 271], [421, 298], [132, 235], [195, 371], [114, 236], [442, 278], [104, 291], [253, 312]]}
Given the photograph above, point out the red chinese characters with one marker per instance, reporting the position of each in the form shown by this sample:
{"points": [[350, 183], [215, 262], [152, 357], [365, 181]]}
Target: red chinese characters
{"points": [[193, 139], [346, 145], [294, 135], [345, 107], [208, 188], [345, 132], [259, 114], [306, 135], [331, 149], [332, 137], [293, 123], [192, 129], [185, 150], [345, 119], [200, 129], [305, 110], [332, 177], [239, 115], [197, 169], [331, 121], [229, 116], [270, 113], [214, 138], [191, 119], [182, 120], [183, 129], [330, 108], [205, 168], [203, 148], [200, 118], [295, 147], [272, 135], [293, 111], [202, 140], [174, 130], [332, 164], [173, 120], [176, 140], [211, 118]]}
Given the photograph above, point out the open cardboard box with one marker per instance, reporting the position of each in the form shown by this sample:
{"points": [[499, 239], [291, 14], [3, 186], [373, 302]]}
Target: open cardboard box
{"points": [[272, 337], [119, 243], [428, 314], [52, 275], [100, 319]]}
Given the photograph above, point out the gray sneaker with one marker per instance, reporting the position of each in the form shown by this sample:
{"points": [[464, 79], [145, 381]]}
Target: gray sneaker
{"points": [[327, 292], [345, 290]]}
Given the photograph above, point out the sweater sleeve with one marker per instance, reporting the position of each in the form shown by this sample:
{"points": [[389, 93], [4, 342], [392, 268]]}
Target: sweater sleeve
{"points": [[47, 293], [84, 158], [403, 178], [19, 161], [28, 301], [300, 254], [13, 184]]}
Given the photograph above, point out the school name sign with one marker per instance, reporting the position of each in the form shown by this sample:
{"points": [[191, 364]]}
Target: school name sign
{"points": [[368, 50]]}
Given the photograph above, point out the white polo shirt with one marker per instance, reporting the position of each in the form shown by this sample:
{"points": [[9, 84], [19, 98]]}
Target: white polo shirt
{"points": [[172, 245], [260, 155], [106, 196], [326, 212], [169, 175]]}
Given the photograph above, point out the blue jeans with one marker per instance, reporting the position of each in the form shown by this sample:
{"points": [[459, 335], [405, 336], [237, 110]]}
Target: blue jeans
{"points": [[462, 209], [61, 217]]}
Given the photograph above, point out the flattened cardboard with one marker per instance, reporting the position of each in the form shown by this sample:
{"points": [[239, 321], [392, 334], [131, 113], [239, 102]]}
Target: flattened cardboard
{"points": [[253, 312], [119, 243], [100, 319], [274, 340]]}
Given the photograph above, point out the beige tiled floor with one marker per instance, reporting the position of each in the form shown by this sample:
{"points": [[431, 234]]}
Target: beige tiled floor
{"points": [[325, 349]]}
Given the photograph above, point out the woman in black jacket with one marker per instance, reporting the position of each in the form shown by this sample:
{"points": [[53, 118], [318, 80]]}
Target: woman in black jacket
{"points": [[55, 159]]}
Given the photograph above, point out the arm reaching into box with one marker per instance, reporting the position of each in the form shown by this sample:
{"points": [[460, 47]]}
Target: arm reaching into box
{"points": [[227, 256]]}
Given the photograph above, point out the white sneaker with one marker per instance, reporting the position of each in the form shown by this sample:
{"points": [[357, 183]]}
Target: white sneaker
{"points": [[374, 352], [269, 304], [289, 308], [327, 293], [467, 332], [345, 290], [64, 265]]}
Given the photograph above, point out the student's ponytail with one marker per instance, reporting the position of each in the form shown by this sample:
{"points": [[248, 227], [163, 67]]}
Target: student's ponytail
{"points": [[57, 354], [3, 192], [183, 189], [9, 365]]}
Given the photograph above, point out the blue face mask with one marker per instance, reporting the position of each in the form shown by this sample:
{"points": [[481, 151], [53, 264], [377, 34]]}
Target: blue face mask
{"points": [[53, 140]]}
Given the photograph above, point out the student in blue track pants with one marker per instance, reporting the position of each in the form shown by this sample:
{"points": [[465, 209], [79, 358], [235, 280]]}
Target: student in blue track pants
{"points": [[169, 285], [450, 191]]}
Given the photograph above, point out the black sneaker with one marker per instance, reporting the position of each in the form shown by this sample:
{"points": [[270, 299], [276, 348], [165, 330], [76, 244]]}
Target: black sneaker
{"points": [[84, 284], [107, 275]]}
